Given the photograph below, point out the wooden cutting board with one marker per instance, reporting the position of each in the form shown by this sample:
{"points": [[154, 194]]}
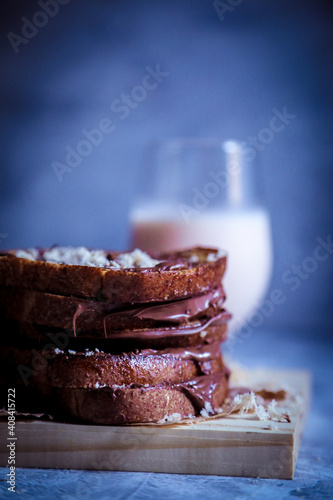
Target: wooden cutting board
{"points": [[229, 446]]}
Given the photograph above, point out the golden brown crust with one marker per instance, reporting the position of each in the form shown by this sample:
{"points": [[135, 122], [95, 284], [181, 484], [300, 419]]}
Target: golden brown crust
{"points": [[121, 285], [147, 368], [94, 369], [140, 404]]}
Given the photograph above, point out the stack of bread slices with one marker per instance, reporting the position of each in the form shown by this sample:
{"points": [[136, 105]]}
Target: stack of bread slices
{"points": [[114, 338]]}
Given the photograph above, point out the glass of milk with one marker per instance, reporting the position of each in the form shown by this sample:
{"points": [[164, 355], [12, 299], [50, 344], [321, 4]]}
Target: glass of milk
{"points": [[205, 192]]}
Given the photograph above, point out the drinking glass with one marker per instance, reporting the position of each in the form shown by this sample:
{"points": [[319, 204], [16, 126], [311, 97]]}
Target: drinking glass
{"points": [[206, 192]]}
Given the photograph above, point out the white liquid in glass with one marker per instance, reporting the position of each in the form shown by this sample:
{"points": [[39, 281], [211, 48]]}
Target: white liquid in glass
{"points": [[244, 233]]}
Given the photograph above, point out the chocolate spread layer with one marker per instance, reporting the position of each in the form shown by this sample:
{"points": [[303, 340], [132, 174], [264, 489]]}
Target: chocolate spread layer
{"points": [[57, 311], [200, 391], [221, 318], [175, 312], [179, 310]]}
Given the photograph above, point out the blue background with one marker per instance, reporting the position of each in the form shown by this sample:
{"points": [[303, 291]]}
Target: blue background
{"points": [[225, 78]]}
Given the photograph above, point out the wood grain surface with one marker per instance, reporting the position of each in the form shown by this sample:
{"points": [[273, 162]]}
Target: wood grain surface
{"points": [[231, 446]]}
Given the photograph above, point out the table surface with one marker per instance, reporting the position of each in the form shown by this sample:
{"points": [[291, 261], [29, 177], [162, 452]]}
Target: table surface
{"points": [[314, 472]]}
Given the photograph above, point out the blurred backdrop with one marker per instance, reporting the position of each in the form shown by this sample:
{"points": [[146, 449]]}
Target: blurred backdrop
{"points": [[220, 69]]}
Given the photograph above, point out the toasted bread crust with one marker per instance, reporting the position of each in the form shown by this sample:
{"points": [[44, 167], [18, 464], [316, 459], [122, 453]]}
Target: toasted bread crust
{"points": [[146, 367], [129, 405], [134, 285], [93, 369]]}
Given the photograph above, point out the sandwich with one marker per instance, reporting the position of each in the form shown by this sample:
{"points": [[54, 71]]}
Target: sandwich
{"points": [[113, 338]]}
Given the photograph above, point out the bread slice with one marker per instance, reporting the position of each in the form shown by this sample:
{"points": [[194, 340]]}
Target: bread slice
{"points": [[30, 336], [183, 380], [176, 275], [64, 312], [165, 402], [94, 369]]}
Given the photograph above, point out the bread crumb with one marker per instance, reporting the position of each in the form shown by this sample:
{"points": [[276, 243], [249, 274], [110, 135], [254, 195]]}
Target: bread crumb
{"points": [[207, 410], [243, 403], [137, 258], [89, 353], [72, 256], [98, 386], [174, 417], [212, 257], [79, 256], [30, 254]]}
